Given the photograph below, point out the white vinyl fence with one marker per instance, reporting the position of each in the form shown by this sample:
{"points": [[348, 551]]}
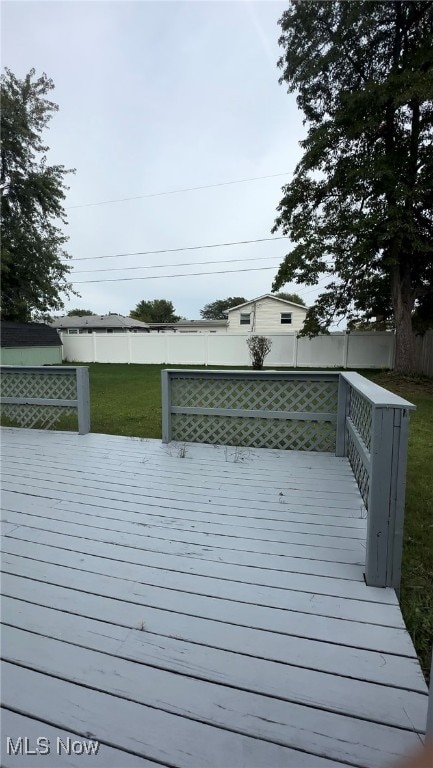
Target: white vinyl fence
{"points": [[338, 350]]}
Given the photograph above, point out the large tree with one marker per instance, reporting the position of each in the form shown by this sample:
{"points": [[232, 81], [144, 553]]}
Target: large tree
{"points": [[155, 311], [360, 206], [215, 310], [34, 268]]}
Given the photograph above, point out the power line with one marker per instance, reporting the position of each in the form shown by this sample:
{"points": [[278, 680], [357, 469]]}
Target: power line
{"points": [[178, 191], [186, 274], [165, 277], [183, 264], [177, 250]]}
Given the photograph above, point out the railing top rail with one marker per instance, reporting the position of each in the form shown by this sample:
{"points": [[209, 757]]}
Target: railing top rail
{"points": [[376, 395], [248, 373], [43, 368]]}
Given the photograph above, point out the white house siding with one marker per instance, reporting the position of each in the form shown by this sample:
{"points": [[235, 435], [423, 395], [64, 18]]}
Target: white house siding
{"points": [[266, 317]]}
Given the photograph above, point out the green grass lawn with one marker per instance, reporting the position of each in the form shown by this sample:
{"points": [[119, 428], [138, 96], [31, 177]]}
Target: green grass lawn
{"points": [[126, 400], [417, 576]]}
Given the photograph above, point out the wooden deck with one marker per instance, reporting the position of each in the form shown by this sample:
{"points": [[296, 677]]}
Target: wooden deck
{"points": [[196, 606]]}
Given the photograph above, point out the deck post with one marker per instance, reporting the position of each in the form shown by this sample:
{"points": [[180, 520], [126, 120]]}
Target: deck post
{"points": [[397, 496], [342, 410], [83, 400], [429, 725], [379, 502], [166, 406]]}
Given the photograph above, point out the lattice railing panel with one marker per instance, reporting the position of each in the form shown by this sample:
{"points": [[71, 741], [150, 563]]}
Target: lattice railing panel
{"points": [[360, 412], [38, 385], [40, 416], [49, 385], [305, 395], [254, 432], [361, 474]]}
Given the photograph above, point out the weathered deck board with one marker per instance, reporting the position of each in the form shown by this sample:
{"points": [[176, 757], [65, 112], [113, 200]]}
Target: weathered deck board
{"points": [[353, 634], [159, 735], [233, 710], [304, 545], [372, 666], [206, 610], [355, 602], [16, 725]]}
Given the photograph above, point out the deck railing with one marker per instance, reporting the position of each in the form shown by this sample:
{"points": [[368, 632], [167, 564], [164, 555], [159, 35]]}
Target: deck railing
{"points": [[373, 426], [336, 411], [39, 396], [294, 410]]}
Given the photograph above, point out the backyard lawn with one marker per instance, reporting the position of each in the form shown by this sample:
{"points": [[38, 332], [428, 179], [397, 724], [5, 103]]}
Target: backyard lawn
{"points": [[126, 400]]}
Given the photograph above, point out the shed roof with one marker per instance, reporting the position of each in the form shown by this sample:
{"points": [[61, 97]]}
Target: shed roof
{"points": [[28, 335]]}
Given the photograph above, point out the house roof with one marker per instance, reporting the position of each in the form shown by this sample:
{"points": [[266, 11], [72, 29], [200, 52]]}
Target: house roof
{"points": [[97, 321], [28, 335], [267, 296], [190, 324]]}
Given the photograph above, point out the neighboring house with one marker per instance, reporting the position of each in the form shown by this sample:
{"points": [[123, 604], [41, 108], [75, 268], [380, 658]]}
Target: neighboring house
{"points": [[98, 324], [266, 314], [191, 326], [30, 344]]}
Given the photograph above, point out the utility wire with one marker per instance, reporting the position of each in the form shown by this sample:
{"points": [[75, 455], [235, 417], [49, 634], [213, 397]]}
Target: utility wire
{"points": [[186, 274], [183, 264], [177, 250], [165, 277], [178, 191]]}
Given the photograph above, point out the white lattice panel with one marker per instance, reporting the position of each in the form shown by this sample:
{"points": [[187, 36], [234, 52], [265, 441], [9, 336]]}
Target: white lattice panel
{"points": [[360, 412], [47, 386], [44, 386], [255, 433], [40, 416], [304, 395], [301, 395], [359, 471]]}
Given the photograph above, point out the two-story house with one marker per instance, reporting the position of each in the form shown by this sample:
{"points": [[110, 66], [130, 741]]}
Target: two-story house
{"points": [[266, 314]]}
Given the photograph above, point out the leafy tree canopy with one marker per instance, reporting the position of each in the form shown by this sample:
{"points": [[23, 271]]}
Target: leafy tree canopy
{"points": [[215, 310], [34, 271], [359, 207], [155, 311], [291, 297], [80, 312]]}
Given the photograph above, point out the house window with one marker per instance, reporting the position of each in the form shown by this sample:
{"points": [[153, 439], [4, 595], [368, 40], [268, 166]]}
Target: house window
{"points": [[73, 330], [286, 318], [245, 318]]}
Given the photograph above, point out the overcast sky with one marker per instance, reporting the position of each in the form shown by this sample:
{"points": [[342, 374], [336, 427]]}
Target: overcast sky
{"points": [[154, 97]]}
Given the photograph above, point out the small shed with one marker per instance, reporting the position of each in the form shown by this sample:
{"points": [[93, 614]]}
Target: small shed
{"points": [[29, 344]]}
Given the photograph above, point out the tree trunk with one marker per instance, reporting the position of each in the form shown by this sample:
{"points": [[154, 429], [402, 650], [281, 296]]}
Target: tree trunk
{"points": [[403, 303]]}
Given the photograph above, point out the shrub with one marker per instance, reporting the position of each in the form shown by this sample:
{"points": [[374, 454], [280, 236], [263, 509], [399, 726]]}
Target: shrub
{"points": [[259, 347]]}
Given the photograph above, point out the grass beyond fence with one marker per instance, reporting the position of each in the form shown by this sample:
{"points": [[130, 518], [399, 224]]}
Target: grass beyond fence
{"points": [[126, 400]]}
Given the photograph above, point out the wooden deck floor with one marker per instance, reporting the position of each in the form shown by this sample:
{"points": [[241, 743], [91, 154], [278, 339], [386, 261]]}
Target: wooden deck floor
{"points": [[205, 609]]}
